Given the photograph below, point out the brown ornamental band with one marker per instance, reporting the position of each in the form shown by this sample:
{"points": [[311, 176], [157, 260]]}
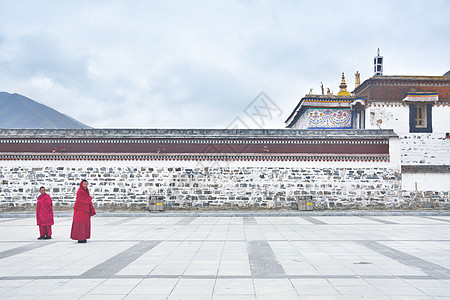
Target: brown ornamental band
{"points": [[187, 157], [195, 146]]}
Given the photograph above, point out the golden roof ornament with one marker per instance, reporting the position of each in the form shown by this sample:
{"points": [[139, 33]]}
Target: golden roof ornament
{"points": [[357, 79], [343, 87]]}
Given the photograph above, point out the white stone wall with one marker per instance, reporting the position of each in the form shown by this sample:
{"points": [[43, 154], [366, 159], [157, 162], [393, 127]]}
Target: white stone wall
{"points": [[245, 186], [425, 149]]}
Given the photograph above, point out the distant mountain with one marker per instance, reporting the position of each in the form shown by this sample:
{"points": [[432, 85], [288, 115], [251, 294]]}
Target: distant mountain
{"points": [[17, 111]]}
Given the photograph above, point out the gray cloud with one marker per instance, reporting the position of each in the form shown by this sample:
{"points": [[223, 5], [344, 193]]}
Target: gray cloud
{"points": [[184, 64]]}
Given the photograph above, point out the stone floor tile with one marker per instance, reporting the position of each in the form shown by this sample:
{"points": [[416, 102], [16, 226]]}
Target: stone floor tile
{"points": [[189, 297], [315, 296], [102, 297], [58, 297], [277, 297], [152, 289], [233, 287], [314, 286], [273, 287], [145, 297], [111, 290], [409, 297], [436, 291], [233, 297], [194, 287]]}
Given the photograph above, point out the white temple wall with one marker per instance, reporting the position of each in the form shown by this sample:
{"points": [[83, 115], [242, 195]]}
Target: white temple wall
{"points": [[426, 182], [238, 186], [388, 116], [441, 120], [425, 149]]}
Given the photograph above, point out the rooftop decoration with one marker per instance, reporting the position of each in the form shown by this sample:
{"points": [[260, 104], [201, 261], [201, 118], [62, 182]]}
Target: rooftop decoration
{"points": [[343, 87]]}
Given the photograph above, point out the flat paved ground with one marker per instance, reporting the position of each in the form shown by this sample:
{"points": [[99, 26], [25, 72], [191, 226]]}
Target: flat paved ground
{"points": [[297, 257]]}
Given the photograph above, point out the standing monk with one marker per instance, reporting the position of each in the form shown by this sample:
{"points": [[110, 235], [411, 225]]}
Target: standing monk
{"points": [[44, 215], [83, 210]]}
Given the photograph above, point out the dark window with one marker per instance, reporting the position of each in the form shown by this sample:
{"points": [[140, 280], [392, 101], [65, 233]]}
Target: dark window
{"points": [[420, 117]]}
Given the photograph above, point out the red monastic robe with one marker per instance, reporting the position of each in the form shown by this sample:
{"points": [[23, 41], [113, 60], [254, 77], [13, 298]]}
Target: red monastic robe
{"points": [[44, 210], [83, 210]]}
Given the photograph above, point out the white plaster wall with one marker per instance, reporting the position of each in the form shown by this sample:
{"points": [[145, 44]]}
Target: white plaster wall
{"points": [[426, 182], [394, 162], [396, 116], [441, 119], [393, 116], [395, 151]]}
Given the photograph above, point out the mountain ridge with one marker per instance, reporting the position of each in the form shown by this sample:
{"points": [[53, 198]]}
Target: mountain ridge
{"points": [[18, 111]]}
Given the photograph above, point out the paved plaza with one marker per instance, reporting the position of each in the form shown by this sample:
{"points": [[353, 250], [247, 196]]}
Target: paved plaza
{"points": [[249, 257]]}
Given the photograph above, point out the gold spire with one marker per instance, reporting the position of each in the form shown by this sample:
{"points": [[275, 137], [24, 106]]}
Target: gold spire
{"points": [[343, 87], [357, 79]]}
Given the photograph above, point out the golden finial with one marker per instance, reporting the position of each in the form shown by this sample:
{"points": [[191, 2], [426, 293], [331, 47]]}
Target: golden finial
{"points": [[343, 87], [357, 79]]}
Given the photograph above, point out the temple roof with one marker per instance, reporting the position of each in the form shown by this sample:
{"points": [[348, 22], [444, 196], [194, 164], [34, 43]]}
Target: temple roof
{"points": [[395, 88], [400, 79]]}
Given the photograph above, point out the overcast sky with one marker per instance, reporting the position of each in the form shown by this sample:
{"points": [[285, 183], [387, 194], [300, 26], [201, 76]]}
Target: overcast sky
{"points": [[200, 64]]}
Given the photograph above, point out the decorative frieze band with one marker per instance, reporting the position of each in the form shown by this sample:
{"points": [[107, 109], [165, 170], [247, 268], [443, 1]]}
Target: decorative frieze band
{"points": [[184, 141], [200, 157]]}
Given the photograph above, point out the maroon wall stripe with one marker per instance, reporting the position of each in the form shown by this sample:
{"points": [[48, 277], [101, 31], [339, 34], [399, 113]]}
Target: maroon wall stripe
{"points": [[183, 147]]}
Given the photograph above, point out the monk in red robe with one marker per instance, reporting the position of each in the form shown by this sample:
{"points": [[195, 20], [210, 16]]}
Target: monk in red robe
{"points": [[44, 215], [83, 210]]}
